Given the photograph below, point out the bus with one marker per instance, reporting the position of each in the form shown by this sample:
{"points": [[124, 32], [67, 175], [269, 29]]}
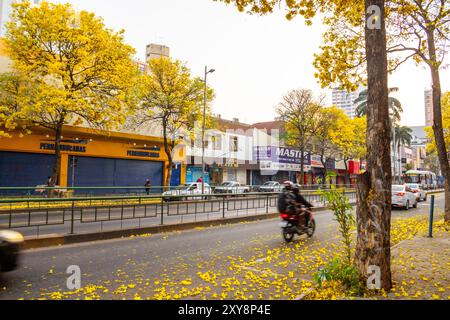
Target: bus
{"points": [[426, 179]]}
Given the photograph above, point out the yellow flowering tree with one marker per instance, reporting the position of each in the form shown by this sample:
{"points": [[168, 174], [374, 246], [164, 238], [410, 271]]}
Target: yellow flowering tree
{"points": [[417, 30], [172, 99], [301, 113], [431, 146], [375, 184], [323, 138], [68, 69], [349, 136]]}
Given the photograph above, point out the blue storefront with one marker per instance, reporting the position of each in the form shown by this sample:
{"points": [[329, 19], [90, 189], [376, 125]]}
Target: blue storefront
{"points": [[100, 172], [193, 173], [20, 169]]}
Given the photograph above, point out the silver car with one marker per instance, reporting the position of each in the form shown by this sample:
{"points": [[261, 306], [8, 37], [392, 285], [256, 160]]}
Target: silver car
{"points": [[271, 186], [417, 189], [403, 196], [231, 187]]}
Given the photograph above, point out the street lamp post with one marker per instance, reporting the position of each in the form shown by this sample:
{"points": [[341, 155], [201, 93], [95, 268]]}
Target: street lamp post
{"points": [[395, 156], [203, 128]]}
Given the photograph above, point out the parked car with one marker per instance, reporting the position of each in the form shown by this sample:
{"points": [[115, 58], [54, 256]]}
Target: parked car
{"points": [[418, 191], [231, 187], [271, 186], [10, 243], [403, 196], [187, 189]]}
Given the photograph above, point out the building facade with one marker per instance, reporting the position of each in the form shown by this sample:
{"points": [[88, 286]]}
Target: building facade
{"points": [[154, 51], [89, 158], [345, 100], [228, 154]]}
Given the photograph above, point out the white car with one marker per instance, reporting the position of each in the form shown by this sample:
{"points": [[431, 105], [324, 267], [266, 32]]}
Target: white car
{"points": [[417, 189], [231, 187], [187, 189], [271, 186], [403, 196]]}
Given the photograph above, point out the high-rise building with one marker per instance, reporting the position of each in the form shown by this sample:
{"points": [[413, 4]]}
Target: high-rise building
{"points": [[156, 51], [5, 12], [345, 100], [428, 94]]}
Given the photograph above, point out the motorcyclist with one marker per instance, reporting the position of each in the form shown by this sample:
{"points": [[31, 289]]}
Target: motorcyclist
{"points": [[286, 199], [290, 200], [300, 200]]}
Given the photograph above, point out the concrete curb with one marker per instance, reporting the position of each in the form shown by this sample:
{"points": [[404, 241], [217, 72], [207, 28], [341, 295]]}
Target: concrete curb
{"points": [[63, 239]]}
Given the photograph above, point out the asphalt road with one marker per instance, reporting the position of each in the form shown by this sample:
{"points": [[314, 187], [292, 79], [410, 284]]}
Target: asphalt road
{"points": [[40, 223], [140, 263]]}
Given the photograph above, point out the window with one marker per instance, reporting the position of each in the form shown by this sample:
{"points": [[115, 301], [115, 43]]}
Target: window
{"points": [[216, 142], [232, 175], [234, 144]]}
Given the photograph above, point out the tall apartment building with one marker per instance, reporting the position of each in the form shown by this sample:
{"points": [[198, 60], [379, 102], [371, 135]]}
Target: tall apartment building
{"points": [[5, 12], [156, 51], [344, 100], [428, 95]]}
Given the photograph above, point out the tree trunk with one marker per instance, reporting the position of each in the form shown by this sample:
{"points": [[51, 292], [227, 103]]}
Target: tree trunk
{"points": [[373, 248], [437, 123], [168, 152], [325, 172], [400, 163], [57, 164], [169, 173], [302, 164]]}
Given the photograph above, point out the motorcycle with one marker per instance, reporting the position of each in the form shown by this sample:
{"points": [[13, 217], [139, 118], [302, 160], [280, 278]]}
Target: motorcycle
{"points": [[293, 223]]}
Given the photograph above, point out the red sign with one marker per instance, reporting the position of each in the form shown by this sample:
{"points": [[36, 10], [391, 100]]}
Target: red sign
{"points": [[353, 167]]}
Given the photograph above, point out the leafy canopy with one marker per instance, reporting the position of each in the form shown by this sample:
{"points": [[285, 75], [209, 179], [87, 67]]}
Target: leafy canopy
{"points": [[68, 69], [431, 146]]}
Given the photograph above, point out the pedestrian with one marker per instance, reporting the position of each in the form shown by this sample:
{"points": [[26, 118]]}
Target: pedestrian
{"points": [[147, 186]]}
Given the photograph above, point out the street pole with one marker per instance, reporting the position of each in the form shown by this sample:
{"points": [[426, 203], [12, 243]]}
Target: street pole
{"points": [[203, 132], [430, 225], [203, 128], [395, 157]]}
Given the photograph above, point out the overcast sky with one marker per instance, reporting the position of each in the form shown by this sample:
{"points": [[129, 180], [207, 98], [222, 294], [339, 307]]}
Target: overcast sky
{"points": [[257, 59]]}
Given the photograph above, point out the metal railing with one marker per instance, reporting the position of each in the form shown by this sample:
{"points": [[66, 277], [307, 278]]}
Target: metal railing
{"points": [[70, 215], [69, 192]]}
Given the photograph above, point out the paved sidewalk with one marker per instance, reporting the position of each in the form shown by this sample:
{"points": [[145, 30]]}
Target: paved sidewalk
{"points": [[421, 267]]}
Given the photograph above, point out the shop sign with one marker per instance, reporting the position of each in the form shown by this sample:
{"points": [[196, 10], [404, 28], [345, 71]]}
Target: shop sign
{"points": [[229, 162], [147, 154], [353, 167], [279, 155], [63, 147], [276, 166]]}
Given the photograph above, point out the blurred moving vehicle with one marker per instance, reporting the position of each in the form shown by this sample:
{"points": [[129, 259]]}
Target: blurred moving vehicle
{"points": [[426, 179], [403, 196], [187, 189], [294, 223], [418, 191], [231, 187], [10, 243], [271, 186]]}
